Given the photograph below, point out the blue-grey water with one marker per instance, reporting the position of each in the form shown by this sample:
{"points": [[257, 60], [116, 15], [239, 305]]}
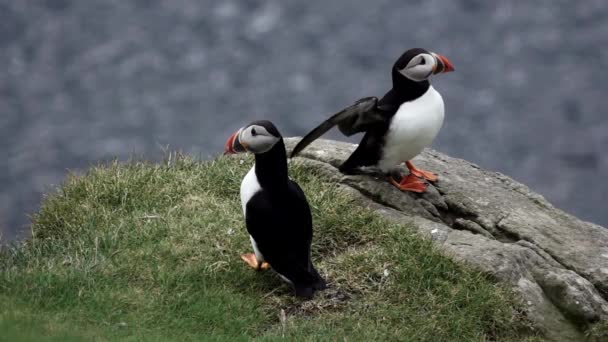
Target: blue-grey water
{"points": [[89, 80]]}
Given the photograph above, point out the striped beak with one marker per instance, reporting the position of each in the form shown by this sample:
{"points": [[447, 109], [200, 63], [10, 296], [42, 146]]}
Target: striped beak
{"points": [[443, 64], [233, 144]]}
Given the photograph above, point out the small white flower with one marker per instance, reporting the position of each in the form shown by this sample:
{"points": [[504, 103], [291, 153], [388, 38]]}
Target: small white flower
{"points": [[386, 272], [434, 231], [230, 231]]}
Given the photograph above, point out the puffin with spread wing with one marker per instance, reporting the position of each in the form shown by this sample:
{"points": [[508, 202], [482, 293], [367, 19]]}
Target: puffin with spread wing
{"points": [[399, 125]]}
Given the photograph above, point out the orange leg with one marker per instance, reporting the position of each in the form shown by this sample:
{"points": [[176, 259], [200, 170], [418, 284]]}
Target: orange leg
{"points": [[431, 177], [409, 183], [253, 262]]}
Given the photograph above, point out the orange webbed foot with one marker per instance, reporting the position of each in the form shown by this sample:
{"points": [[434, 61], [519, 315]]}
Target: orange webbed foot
{"points": [[409, 183], [431, 177], [253, 262]]}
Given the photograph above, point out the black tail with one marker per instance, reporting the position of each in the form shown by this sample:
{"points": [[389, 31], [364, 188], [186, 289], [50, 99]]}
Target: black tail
{"points": [[307, 282], [319, 283], [305, 292], [315, 283]]}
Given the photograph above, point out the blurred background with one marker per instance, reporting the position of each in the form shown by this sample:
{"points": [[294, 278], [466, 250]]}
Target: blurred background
{"points": [[87, 81]]}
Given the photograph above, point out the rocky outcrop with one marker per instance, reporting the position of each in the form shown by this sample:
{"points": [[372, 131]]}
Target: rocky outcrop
{"points": [[557, 263]]}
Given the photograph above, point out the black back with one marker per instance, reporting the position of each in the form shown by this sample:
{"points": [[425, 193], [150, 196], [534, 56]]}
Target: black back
{"points": [[279, 220]]}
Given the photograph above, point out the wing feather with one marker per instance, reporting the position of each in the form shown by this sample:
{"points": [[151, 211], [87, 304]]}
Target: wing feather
{"points": [[351, 120]]}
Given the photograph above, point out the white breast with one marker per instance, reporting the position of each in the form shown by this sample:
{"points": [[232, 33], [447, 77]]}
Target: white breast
{"points": [[413, 128], [249, 187]]}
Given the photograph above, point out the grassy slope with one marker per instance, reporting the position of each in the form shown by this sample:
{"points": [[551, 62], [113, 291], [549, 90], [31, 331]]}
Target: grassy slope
{"points": [[141, 251]]}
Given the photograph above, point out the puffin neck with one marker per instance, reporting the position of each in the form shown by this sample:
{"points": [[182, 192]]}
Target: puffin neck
{"points": [[271, 167], [407, 89]]}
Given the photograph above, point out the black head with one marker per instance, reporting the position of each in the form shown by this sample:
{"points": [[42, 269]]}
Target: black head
{"points": [[419, 64], [257, 137], [269, 126]]}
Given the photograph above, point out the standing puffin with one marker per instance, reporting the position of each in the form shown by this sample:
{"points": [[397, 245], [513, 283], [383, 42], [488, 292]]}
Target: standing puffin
{"points": [[276, 211], [398, 126]]}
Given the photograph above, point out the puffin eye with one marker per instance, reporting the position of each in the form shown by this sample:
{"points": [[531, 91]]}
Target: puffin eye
{"points": [[253, 132], [422, 61]]}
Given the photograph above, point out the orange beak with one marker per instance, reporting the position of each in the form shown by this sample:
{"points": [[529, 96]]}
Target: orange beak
{"points": [[443, 64], [233, 145], [228, 149]]}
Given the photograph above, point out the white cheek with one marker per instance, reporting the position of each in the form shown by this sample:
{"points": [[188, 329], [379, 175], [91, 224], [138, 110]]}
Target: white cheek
{"points": [[417, 73], [262, 144], [245, 137]]}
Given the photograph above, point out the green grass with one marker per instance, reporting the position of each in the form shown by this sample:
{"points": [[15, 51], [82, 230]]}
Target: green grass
{"points": [[140, 251], [598, 331]]}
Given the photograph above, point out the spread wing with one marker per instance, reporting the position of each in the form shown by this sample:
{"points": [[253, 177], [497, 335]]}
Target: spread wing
{"points": [[354, 119]]}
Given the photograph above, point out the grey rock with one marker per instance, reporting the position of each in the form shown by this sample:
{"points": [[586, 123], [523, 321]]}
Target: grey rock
{"points": [[557, 263], [469, 225]]}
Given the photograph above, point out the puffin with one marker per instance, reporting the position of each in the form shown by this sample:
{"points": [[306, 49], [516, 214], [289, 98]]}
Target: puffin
{"points": [[277, 214], [398, 126]]}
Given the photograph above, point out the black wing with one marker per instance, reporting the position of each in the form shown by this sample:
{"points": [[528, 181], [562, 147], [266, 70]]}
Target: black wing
{"points": [[354, 119], [283, 233]]}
